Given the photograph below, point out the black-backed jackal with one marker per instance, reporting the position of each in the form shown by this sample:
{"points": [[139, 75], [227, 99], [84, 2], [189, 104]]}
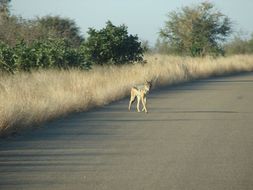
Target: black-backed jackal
{"points": [[140, 91]]}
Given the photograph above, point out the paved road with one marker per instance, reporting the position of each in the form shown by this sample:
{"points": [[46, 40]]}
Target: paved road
{"points": [[197, 136]]}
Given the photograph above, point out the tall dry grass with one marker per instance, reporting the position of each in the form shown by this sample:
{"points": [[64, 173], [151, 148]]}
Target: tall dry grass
{"points": [[28, 99]]}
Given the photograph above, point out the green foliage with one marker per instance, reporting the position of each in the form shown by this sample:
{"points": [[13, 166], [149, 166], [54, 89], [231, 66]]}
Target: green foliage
{"points": [[197, 31], [7, 63], [55, 42], [112, 44], [41, 54]]}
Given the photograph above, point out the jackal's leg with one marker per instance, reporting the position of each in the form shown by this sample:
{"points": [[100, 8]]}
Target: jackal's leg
{"points": [[144, 104], [138, 103], [132, 98], [144, 101]]}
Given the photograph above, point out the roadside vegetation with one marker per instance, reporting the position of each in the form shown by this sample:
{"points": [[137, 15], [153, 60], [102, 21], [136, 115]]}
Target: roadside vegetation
{"points": [[28, 99], [48, 69]]}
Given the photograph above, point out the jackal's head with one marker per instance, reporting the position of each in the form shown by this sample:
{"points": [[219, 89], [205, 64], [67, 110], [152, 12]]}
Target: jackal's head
{"points": [[148, 85]]}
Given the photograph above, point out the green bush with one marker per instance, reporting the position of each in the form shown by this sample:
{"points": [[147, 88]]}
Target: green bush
{"points": [[41, 54], [7, 62], [112, 44]]}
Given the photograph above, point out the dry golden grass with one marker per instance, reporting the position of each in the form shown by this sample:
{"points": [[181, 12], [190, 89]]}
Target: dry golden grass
{"points": [[28, 99]]}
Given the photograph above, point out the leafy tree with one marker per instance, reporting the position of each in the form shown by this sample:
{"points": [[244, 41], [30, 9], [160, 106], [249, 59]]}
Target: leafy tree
{"points": [[55, 26], [112, 44], [5, 33], [197, 30], [4, 9], [14, 28]]}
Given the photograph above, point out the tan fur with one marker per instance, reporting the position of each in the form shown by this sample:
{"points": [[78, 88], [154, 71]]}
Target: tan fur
{"points": [[140, 91]]}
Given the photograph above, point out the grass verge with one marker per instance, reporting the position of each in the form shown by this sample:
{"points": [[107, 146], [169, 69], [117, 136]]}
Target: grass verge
{"points": [[29, 99]]}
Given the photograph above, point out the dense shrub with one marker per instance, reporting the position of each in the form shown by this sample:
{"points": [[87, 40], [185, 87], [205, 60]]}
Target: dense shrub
{"points": [[112, 44], [41, 54], [7, 63]]}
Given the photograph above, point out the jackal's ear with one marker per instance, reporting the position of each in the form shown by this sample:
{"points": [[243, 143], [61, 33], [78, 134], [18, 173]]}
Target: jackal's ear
{"points": [[149, 81]]}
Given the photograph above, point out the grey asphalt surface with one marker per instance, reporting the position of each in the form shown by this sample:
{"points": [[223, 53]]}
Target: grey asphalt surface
{"points": [[196, 136]]}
